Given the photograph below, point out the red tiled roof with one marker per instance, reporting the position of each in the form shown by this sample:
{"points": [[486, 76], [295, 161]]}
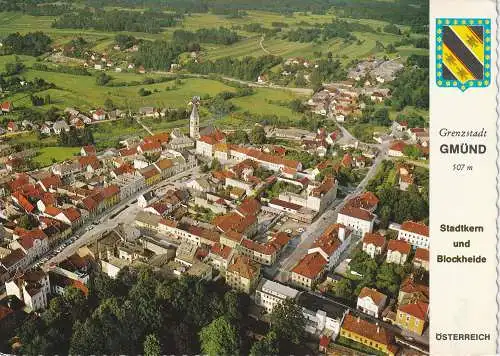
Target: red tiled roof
{"points": [[285, 204], [416, 228], [128, 151], [72, 214], [374, 294], [52, 181], [124, 168], [148, 173], [422, 254], [235, 222], [6, 106], [329, 241], [367, 201], [417, 310], [265, 249], [347, 160], [324, 187], [244, 267], [375, 239], [89, 203], [90, 150], [357, 213], [110, 191], [161, 138], [367, 329], [410, 286], [310, 266], [398, 146], [150, 146], [48, 199], [92, 161], [400, 246], [23, 202], [279, 240], [52, 211], [249, 206]]}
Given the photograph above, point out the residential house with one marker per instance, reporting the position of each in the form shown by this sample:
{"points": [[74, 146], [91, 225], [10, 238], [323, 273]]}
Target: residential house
{"points": [[369, 334], [88, 150], [371, 302], [12, 126], [421, 258], [373, 244], [220, 256], [151, 175], [145, 199], [33, 288], [269, 294], [413, 317], [60, 126], [323, 316], [99, 115], [397, 149], [412, 291], [361, 221], [417, 234], [309, 270], [397, 252], [243, 274]]}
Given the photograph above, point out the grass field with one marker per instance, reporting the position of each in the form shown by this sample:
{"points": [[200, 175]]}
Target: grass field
{"points": [[83, 92], [48, 155]]}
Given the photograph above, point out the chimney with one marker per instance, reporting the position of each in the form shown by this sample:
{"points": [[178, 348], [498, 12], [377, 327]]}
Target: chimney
{"points": [[378, 328], [358, 319], [341, 233]]}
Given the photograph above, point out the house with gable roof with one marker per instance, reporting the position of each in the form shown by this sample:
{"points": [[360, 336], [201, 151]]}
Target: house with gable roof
{"points": [[371, 302]]}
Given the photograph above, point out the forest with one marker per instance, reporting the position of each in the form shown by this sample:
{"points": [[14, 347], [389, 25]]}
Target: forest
{"points": [[324, 32], [219, 35], [117, 20], [247, 68], [142, 312], [31, 44]]}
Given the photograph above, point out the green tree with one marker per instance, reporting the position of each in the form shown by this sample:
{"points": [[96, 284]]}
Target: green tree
{"points": [[27, 222], [152, 346], [288, 322], [108, 104], [344, 289], [258, 135], [215, 165], [219, 338], [266, 347], [102, 79]]}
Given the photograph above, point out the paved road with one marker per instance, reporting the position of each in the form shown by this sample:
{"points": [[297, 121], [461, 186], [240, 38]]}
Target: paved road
{"points": [[107, 223], [329, 217]]}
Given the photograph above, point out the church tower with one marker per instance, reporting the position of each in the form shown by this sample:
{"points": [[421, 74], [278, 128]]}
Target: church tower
{"points": [[194, 119]]}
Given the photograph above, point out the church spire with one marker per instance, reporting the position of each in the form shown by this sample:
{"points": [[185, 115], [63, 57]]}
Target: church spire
{"points": [[194, 119]]}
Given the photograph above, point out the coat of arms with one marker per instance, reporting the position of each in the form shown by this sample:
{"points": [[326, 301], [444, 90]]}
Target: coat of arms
{"points": [[463, 53]]}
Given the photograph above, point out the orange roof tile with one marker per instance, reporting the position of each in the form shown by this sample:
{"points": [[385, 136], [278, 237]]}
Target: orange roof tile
{"points": [[311, 265], [374, 294], [416, 228], [417, 310], [367, 329], [402, 247]]}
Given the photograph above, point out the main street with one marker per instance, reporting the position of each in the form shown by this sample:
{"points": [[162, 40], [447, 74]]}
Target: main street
{"points": [[329, 217], [124, 212]]}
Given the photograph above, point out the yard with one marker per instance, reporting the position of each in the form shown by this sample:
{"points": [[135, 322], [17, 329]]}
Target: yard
{"points": [[48, 155]]}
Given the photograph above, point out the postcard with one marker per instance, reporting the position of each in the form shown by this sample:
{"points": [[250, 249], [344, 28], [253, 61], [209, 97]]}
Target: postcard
{"points": [[248, 177]]}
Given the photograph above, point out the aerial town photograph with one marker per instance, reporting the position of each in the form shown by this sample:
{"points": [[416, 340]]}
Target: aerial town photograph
{"points": [[214, 177]]}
